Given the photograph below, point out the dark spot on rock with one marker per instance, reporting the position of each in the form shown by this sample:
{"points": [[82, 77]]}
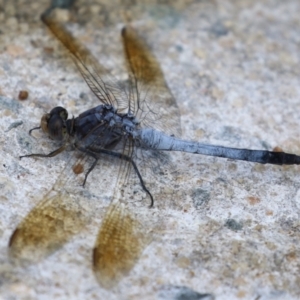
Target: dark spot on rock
{"points": [[219, 29], [171, 292], [200, 197], [233, 225]]}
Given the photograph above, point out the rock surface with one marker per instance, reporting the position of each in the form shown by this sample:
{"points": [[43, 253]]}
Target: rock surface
{"points": [[226, 228]]}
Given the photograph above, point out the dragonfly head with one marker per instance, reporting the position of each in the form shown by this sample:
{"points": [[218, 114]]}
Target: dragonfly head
{"points": [[54, 123]]}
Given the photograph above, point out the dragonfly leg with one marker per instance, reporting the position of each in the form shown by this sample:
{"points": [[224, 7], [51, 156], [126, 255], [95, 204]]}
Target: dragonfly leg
{"points": [[121, 156], [92, 166], [51, 154], [129, 159], [139, 176]]}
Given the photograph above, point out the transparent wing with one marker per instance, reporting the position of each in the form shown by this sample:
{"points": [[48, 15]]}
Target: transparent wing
{"points": [[98, 78], [150, 98]]}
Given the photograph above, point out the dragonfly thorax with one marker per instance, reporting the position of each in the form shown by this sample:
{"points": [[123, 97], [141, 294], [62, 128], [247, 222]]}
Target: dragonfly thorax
{"points": [[102, 125], [107, 116]]}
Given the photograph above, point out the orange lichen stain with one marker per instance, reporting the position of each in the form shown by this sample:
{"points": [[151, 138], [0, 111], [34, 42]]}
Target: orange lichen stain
{"points": [[241, 294], [258, 227], [78, 169], [239, 282], [272, 278], [291, 256], [48, 50], [6, 113], [271, 246], [23, 95], [253, 200], [191, 273], [14, 50], [269, 212], [183, 262]]}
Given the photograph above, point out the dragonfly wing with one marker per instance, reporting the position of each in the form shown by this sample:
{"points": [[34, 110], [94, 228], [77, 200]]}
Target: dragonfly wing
{"points": [[122, 236], [98, 78], [45, 229], [150, 98], [52, 223], [120, 242]]}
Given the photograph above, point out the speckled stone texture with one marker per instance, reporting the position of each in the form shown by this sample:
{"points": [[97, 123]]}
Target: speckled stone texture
{"points": [[226, 228]]}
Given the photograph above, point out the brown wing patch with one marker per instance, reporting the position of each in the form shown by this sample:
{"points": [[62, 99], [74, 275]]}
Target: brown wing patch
{"points": [[150, 98], [141, 62], [119, 245], [46, 228]]}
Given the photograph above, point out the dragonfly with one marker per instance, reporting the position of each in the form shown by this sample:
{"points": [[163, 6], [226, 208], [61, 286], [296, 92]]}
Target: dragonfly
{"points": [[134, 124]]}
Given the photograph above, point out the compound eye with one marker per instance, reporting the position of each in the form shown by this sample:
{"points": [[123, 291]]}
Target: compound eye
{"points": [[56, 127], [60, 111]]}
